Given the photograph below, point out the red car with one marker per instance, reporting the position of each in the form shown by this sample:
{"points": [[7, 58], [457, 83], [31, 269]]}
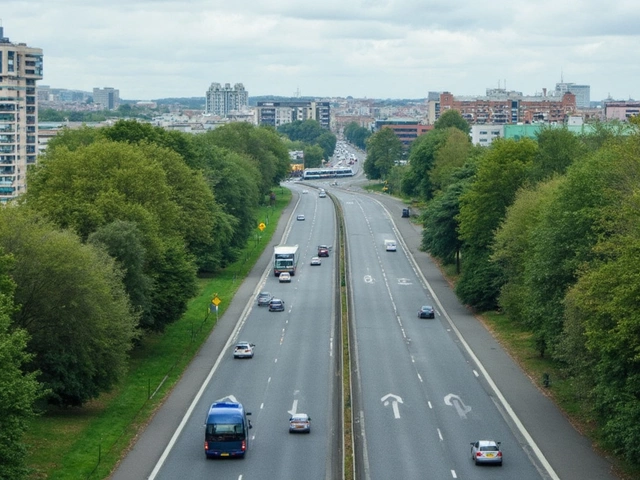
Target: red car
{"points": [[323, 251]]}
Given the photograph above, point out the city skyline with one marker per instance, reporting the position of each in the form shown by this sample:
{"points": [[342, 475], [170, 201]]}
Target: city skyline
{"points": [[366, 49]]}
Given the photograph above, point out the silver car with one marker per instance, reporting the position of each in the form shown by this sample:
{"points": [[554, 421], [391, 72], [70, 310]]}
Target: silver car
{"points": [[300, 422], [486, 451]]}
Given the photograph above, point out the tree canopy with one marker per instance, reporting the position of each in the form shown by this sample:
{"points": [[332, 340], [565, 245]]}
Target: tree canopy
{"points": [[384, 149]]}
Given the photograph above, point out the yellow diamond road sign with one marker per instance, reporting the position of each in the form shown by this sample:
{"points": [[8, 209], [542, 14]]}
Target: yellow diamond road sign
{"points": [[216, 301], [262, 226]]}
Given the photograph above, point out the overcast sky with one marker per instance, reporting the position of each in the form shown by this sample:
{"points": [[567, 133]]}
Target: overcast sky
{"points": [[151, 49]]}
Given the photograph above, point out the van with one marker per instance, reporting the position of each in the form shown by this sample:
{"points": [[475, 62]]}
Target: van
{"points": [[390, 245], [406, 213]]}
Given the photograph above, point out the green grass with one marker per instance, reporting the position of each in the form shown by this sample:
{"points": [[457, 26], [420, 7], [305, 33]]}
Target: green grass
{"points": [[87, 442]]}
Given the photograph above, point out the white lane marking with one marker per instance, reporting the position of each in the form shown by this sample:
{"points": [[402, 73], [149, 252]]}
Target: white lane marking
{"points": [[420, 378], [440, 435], [453, 474], [475, 373]]}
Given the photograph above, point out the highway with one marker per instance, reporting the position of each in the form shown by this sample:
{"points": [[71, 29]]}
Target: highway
{"points": [[423, 389]]}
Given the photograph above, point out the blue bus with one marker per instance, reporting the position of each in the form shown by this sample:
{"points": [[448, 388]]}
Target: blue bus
{"points": [[227, 430]]}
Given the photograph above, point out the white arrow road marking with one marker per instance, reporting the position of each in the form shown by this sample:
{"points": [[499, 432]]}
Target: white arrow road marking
{"points": [[395, 400], [294, 408], [456, 401]]}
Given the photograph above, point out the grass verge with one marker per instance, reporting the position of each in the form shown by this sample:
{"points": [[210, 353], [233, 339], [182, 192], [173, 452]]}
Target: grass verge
{"points": [[87, 442]]}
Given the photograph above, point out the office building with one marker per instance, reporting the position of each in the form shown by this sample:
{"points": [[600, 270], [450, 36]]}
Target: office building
{"points": [[221, 100], [20, 68], [280, 113], [108, 98], [614, 110]]}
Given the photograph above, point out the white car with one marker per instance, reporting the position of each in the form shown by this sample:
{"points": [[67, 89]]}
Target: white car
{"points": [[300, 217], [284, 277], [243, 350], [390, 245], [305, 191], [300, 422], [316, 261]]}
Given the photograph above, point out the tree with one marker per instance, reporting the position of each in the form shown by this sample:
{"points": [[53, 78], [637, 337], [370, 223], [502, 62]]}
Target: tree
{"points": [[313, 156], [417, 181], [440, 218], [18, 391], [558, 148], [73, 305], [263, 145], [452, 118], [147, 185], [384, 149], [501, 171], [357, 135], [449, 156], [235, 180], [123, 241], [512, 244]]}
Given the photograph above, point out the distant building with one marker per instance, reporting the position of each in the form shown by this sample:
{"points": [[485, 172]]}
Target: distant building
{"points": [[582, 93], [484, 135], [406, 129], [614, 110], [501, 107], [221, 100], [108, 98], [280, 113], [20, 67]]}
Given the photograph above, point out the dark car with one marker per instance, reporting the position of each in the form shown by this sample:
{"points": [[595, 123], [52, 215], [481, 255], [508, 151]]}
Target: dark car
{"points": [[406, 213], [426, 311], [264, 298], [323, 251], [276, 305]]}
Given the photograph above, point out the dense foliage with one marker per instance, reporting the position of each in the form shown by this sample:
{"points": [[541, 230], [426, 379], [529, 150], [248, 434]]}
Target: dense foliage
{"points": [[356, 135], [18, 391], [310, 133], [384, 150]]}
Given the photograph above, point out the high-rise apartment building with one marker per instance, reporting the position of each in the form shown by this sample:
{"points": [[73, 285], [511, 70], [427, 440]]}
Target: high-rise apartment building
{"points": [[222, 100], [20, 68], [108, 98]]}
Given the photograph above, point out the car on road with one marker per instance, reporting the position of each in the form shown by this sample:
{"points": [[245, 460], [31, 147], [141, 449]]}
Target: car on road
{"points": [[316, 261], [322, 194], [300, 422], [300, 217], [305, 191], [486, 451], [323, 251], [390, 245], [426, 311], [406, 213], [284, 277], [264, 298], [276, 305], [243, 350]]}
